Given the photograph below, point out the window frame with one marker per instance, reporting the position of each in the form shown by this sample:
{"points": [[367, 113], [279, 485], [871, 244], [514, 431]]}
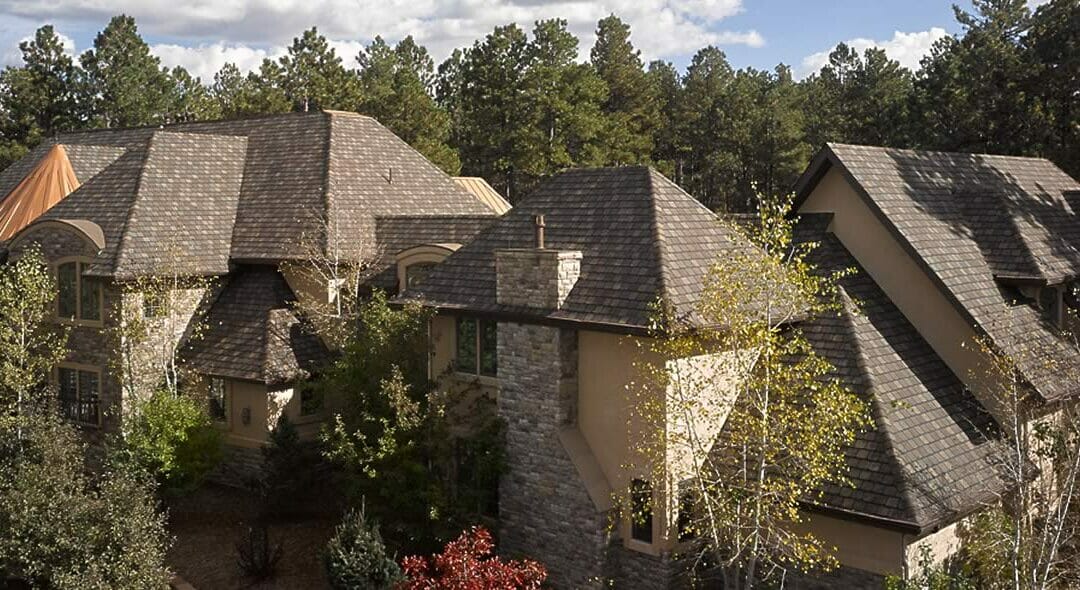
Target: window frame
{"points": [[315, 415], [80, 262], [79, 369], [633, 526], [477, 369], [226, 400]]}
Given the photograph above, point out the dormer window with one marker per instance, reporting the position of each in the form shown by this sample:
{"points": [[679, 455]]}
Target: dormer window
{"points": [[414, 273], [79, 297]]}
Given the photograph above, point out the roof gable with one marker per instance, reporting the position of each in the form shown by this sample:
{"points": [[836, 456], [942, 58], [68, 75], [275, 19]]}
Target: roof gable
{"points": [[966, 218]]}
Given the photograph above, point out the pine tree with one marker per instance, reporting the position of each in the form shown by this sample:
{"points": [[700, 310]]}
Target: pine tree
{"points": [[565, 99], [124, 84], [1053, 52], [492, 109], [631, 108], [396, 85], [668, 151], [312, 76]]}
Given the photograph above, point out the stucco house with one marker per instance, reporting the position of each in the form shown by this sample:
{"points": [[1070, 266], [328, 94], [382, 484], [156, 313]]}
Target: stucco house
{"points": [[543, 307], [231, 200]]}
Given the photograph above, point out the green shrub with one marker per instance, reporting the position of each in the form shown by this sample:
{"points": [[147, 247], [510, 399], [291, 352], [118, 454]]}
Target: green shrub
{"points": [[289, 468], [356, 558], [172, 438], [62, 529]]}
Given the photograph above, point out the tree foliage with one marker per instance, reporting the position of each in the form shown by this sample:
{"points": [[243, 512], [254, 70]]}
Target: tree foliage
{"points": [[170, 438], [468, 563], [60, 528], [31, 344], [356, 558], [751, 417]]}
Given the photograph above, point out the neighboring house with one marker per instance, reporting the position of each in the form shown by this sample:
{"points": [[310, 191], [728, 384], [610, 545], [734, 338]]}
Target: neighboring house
{"points": [[543, 314], [231, 200]]}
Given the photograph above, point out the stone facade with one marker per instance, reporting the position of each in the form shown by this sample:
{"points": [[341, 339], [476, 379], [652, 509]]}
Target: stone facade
{"points": [[535, 278], [544, 509]]}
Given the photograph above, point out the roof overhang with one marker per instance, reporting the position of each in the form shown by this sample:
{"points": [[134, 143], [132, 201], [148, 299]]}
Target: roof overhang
{"points": [[87, 229]]}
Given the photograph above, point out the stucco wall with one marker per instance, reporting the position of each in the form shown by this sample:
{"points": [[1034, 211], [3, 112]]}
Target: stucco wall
{"points": [[905, 283], [858, 545]]}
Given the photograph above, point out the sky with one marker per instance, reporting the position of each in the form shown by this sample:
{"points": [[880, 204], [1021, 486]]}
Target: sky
{"points": [[202, 35]]}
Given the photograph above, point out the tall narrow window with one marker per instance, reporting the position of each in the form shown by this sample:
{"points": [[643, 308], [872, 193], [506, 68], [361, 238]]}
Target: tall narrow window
{"points": [[310, 400], [89, 298], [218, 399], [489, 356], [466, 345], [79, 394], [67, 279], [477, 347], [641, 516]]}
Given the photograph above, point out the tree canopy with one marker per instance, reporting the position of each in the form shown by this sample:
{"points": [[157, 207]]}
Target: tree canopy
{"points": [[521, 104]]}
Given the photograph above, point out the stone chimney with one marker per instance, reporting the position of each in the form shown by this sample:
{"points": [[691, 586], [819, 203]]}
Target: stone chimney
{"points": [[538, 277]]}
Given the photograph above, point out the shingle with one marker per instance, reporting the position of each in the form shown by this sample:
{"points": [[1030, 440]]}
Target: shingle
{"points": [[642, 239], [971, 216], [930, 453], [253, 333]]}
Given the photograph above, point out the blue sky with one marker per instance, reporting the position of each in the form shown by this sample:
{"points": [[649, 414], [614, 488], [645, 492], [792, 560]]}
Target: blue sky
{"points": [[203, 34]]}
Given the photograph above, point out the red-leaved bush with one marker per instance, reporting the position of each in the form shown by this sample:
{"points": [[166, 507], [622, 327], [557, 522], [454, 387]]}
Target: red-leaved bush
{"points": [[468, 564]]}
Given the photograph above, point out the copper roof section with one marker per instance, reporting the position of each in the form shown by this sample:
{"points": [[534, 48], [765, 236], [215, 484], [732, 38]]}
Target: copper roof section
{"points": [[47, 184], [479, 188]]}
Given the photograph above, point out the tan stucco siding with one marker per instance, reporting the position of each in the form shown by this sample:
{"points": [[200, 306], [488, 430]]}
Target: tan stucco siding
{"points": [[905, 283], [858, 545]]}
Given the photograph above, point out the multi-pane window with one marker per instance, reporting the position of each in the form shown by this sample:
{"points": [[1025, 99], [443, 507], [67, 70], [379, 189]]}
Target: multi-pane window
{"points": [[477, 342], [414, 273], [641, 514], [153, 305], [685, 520], [218, 399], [79, 297], [79, 394]]}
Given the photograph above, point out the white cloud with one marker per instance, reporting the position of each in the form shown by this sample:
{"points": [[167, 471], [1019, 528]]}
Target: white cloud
{"points": [[10, 39], [906, 48], [244, 31]]}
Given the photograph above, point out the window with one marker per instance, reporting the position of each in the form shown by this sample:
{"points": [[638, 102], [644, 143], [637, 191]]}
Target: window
{"points": [[153, 306], [79, 297], [218, 399], [310, 400], [685, 522], [79, 391], [414, 273], [477, 347], [641, 516]]}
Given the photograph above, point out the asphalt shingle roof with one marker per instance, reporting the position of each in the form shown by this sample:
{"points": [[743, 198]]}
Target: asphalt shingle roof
{"points": [[273, 183], [642, 238], [252, 332], [929, 456], [968, 218]]}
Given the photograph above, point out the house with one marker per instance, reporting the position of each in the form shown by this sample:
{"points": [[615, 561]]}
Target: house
{"points": [[231, 200], [544, 308]]}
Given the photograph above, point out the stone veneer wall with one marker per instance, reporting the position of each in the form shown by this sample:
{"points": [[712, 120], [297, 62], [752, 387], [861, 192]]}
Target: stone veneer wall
{"points": [[544, 510], [535, 278]]}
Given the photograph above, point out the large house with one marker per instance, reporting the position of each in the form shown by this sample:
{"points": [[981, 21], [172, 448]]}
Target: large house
{"points": [[235, 201], [947, 247], [543, 307]]}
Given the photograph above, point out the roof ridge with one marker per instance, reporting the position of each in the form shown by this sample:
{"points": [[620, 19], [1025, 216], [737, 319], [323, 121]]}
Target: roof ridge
{"points": [[120, 256], [659, 244], [884, 148]]}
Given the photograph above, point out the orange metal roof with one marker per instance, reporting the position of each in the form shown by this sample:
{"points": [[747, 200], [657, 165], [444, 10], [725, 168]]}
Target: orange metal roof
{"points": [[480, 189], [51, 180]]}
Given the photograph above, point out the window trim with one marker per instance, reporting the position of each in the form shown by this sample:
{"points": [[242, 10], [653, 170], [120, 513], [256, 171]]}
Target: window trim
{"points": [[80, 368], [80, 263], [477, 350]]}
